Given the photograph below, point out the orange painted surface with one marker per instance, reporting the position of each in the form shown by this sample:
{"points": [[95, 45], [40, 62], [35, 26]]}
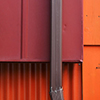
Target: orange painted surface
{"points": [[91, 22], [31, 81], [91, 56], [91, 75], [72, 79]]}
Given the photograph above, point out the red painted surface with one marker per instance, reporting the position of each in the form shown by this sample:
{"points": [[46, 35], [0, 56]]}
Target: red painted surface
{"points": [[36, 26], [37, 30], [25, 30], [10, 29], [72, 45], [31, 81]]}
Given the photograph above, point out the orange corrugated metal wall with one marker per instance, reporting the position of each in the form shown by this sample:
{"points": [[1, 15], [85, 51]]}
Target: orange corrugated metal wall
{"points": [[31, 81]]}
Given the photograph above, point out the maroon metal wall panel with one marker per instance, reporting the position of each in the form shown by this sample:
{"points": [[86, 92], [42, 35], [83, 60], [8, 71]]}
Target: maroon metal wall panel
{"points": [[25, 30], [36, 24], [72, 43], [36, 30], [31, 81], [10, 29]]}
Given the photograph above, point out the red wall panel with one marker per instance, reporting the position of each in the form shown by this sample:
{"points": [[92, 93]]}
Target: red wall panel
{"points": [[10, 29], [25, 30], [72, 30], [36, 30]]}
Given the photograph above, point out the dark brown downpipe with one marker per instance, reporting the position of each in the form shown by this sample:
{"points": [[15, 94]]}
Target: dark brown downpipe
{"points": [[56, 91]]}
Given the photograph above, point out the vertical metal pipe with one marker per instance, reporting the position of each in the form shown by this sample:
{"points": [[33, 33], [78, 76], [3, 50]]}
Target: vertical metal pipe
{"points": [[56, 51]]}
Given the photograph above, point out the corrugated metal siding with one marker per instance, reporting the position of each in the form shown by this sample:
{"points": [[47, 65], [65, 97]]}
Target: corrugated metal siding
{"points": [[72, 81], [31, 81]]}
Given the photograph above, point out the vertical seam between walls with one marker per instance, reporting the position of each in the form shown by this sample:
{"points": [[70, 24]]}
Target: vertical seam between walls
{"points": [[21, 28]]}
